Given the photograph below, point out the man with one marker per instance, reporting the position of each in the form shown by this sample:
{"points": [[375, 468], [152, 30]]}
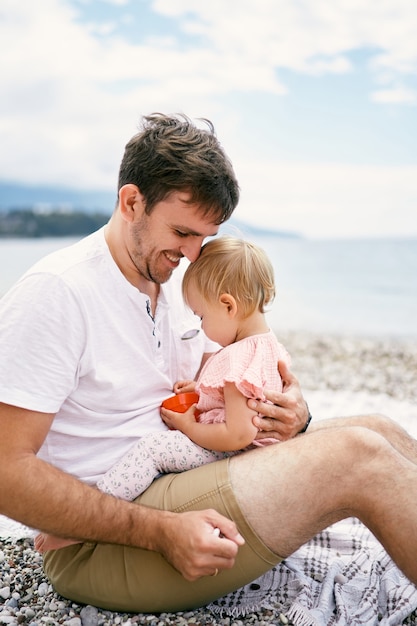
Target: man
{"points": [[93, 339]]}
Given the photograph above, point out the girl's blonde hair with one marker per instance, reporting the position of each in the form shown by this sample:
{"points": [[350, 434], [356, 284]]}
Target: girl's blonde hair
{"points": [[234, 266]]}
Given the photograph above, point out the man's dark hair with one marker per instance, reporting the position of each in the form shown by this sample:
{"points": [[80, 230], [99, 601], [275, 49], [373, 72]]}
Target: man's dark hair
{"points": [[170, 153]]}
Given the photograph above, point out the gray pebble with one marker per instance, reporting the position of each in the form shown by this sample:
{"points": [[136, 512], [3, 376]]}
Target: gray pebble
{"points": [[6, 618], [89, 616], [43, 589], [73, 621]]}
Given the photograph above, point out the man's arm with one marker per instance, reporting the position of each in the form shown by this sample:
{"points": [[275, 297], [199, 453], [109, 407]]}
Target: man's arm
{"points": [[288, 415], [43, 497]]}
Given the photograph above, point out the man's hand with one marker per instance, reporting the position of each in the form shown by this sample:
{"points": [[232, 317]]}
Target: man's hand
{"points": [[288, 414], [191, 542]]}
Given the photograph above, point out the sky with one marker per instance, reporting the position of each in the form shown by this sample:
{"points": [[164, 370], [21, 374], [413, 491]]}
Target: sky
{"points": [[315, 101]]}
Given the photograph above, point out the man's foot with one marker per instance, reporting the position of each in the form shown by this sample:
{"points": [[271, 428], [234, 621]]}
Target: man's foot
{"points": [[44, 542]]}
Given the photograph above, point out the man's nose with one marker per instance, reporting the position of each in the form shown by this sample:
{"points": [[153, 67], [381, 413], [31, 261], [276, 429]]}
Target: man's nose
{"points": [[192, 249]]}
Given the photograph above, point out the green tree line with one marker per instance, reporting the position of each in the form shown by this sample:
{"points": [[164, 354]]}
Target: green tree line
{"points": [[58, 223]]}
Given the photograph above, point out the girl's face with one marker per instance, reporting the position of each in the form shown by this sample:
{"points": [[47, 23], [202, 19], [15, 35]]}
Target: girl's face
{"points": [[218, 318]]}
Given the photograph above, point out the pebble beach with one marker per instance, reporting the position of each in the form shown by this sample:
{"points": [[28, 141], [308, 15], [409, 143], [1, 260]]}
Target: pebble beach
{"points": [[339, 376]]}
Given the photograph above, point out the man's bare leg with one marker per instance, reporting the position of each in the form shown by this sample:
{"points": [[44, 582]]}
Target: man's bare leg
{"points": [[391, 430], [290, 491]]}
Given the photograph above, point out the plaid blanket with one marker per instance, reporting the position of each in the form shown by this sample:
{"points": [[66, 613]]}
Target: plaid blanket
{"points": [[341, 577]]}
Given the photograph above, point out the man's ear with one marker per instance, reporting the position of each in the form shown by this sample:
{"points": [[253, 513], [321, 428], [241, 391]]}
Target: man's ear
{"points": [[131, 202], [229, 302]]}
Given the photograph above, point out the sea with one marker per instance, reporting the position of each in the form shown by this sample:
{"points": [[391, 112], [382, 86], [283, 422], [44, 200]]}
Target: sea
{"points": [[361, 287]]}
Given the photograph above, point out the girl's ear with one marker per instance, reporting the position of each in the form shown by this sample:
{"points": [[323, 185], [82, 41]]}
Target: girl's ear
{"points": [[131, 202], [229, 302]]}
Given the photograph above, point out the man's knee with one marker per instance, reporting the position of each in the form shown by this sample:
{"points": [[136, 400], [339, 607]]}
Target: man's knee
{"points": [[350, 448], [362, 444], [384, 424]]}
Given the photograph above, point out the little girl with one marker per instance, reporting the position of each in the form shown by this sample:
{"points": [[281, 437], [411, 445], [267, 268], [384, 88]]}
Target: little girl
{"points": [[228, 287]]}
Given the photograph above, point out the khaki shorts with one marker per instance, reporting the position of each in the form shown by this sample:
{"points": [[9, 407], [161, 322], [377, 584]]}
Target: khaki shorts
{"points": [[128, 579]]}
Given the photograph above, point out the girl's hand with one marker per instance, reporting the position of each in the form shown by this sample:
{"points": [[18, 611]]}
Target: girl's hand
{"points": [[179, 421], [184, 386]]}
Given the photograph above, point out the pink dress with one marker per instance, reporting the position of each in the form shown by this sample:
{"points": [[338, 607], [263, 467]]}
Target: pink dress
{"points": [[251, 364]]}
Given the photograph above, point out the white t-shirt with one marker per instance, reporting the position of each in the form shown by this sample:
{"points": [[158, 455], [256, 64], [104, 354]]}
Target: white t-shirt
{"points": [[77, 340]]}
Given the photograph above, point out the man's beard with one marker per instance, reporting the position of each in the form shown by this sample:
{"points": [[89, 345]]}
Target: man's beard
{"points": [[145, 261]]}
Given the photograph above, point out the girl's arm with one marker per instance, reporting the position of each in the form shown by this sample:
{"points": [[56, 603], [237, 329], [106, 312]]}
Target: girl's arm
{"points": [[235, 433]]}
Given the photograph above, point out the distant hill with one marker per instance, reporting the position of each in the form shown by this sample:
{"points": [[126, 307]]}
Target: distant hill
{"points": [[17, 196], [240, 228], [27, 223], [42, 200]]}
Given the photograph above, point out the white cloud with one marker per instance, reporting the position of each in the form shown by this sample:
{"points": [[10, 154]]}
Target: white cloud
{"points": [[241, 44], [395, 95], [324, 199], [72, 92], [295, 36], [117, 2]]}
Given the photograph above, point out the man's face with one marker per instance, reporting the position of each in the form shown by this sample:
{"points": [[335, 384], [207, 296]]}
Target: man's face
{"points": [[174, 229]]}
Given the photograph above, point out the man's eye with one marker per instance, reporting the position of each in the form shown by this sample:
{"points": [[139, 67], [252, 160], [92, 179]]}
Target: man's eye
{"points": [[181, 234]]}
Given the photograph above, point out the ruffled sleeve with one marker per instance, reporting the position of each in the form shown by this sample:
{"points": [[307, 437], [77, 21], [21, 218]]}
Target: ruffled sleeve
{"points": [[251, 364]]}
